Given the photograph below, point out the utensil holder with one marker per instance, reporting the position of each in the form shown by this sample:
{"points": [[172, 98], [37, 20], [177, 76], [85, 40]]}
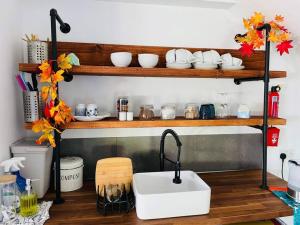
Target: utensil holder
{"points": [[37, 51], [33, 106]]}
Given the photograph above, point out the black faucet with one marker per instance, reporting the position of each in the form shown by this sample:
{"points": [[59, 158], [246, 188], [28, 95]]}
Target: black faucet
{"points": [[177, 164]]}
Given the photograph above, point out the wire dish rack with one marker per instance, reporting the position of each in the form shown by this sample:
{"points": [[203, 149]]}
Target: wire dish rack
{"points": [[106, 206]]}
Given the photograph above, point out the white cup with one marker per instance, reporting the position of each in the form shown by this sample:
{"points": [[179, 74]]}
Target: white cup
{"points": [[80, 110], [211, 57], [227, 59], [91, 110], [122, 116], [198, 56], [183, 56], [129, 116], [236, 61]]}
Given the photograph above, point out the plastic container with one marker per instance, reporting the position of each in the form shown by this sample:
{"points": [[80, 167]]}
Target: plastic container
{"points": [[37, 165], [168, 112], [71, 173], [191, 111]]}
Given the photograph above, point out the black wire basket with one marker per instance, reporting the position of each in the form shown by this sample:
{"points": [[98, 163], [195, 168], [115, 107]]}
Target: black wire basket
{"points": [[124, 204]]}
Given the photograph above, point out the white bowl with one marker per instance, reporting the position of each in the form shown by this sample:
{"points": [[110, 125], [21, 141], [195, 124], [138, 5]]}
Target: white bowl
{"points": [[121, 59], [148, 60]]}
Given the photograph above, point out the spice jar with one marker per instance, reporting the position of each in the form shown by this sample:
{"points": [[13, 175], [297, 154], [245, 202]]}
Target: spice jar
{"points": [[146, 112], [122, 104], [168, 112], [191, 111]]}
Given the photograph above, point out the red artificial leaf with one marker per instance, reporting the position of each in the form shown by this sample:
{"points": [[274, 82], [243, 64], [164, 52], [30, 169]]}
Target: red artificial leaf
{"points": [[47, 109], [260, 34], [246, 49], [283, 28], [284, 47]]}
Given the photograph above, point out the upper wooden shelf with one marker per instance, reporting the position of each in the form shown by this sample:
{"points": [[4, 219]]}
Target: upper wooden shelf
{"points": [[95, 60], [157, 72], [178, 122]]}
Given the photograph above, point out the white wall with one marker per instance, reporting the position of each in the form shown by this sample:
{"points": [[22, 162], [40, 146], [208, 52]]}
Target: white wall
{"points": [[11, 107], [121, 23]]}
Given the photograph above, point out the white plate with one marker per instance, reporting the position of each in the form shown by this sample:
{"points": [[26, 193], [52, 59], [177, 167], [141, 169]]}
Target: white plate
{"points": [[205, 66], [223, 67], [92, 118], [179, 65]]}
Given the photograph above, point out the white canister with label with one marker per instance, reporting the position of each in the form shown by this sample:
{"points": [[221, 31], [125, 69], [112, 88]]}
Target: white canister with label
{"points": [[71, 173]]}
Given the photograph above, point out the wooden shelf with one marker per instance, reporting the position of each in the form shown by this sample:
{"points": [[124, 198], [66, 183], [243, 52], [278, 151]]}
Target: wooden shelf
{"points": [[179, 122], [158, 72]]}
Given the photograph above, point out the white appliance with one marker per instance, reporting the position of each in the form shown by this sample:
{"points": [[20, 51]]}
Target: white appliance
{"points": [[294, 180]]}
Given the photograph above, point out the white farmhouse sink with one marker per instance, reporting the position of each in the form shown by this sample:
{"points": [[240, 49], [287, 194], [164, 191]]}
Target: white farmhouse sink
{"points": [[158, 197]]}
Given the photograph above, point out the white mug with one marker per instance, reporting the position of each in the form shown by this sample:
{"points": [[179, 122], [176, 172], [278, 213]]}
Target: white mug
{"points": [[80, 109], [226, 59], [236, 61], [198, 56], [91, 110], [211, 57]]}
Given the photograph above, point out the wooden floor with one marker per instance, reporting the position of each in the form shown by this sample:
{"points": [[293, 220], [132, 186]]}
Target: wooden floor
{"points": [[236, 197]]}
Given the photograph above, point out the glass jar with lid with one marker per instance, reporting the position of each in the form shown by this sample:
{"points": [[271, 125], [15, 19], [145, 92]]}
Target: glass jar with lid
{"points": [[9, 201], [191, 111], [168, 112], [146, 112]]}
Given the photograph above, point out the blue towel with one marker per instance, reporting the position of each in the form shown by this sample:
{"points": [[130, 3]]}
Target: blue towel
{"points": [[290, 202]]}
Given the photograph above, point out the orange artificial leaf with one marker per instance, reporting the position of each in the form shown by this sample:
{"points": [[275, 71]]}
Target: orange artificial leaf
{"points": [[46, 72], [247, 24], [279, 18], [53, 90], [57, 77], [45, 93], [64, 62], [42, 125], [273, 37], [284, 36], [257, 18]]}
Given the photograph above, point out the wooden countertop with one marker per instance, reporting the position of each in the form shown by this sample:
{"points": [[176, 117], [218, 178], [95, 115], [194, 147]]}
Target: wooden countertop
{"points": [[236, 197]]}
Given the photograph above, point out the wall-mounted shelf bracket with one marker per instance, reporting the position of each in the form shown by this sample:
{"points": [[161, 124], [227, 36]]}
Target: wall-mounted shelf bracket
{"points": [[238, 81], [258, 127]]}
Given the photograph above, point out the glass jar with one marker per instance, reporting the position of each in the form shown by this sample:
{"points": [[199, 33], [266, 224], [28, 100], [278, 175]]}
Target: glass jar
{"points": [[146, 112], [9, 200], [191, 111], [168, 112]]}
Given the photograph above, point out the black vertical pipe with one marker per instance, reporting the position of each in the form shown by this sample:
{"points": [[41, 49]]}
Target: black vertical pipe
{"points": [[264, 184], [57, 137]]}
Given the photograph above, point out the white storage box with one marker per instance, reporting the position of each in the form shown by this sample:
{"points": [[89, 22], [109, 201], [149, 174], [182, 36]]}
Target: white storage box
{"points": [[71, 173], [37, 165]]}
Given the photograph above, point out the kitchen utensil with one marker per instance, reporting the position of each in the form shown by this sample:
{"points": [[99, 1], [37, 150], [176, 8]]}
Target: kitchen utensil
{"points": [[122, 104], [168, 112], [294, 180], [91, 110], [121, 59], [101, 116], [243, 111], [80, 110], [207, 112], [148, 60], [179, 65], [113, 171]]}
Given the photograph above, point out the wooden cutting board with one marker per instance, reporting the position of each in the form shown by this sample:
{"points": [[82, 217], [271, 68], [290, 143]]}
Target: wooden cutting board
{"points": [[116, 170]]}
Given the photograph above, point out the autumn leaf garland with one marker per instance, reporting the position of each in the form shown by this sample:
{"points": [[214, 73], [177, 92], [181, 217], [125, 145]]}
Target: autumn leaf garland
{"points": [[55, 115], [254, 39]]}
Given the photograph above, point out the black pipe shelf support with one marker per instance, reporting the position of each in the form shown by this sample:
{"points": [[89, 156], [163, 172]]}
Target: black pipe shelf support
{"points": [[65, 28], [265, 79]]}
